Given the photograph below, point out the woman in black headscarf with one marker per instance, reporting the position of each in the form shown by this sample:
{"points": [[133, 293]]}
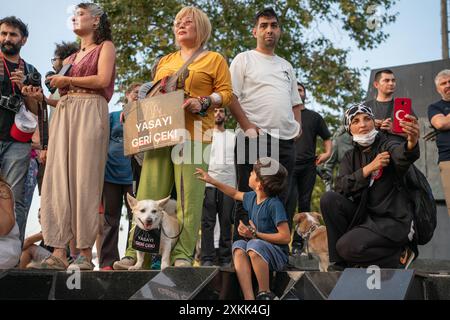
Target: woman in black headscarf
{"points": [[369, 219]]}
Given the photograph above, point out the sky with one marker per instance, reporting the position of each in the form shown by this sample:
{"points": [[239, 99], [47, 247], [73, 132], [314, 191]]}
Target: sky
{"points": [[414, 37]]}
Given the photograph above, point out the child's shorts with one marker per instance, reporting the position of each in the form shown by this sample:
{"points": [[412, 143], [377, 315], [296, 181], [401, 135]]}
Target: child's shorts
{"points": [[272, 254]]}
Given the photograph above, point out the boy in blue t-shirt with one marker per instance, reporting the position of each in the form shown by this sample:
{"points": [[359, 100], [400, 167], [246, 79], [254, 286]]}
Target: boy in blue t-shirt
{"points": [[268, 233]]}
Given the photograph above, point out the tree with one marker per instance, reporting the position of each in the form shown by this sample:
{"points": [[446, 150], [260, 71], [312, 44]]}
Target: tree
{"points": [[142, 31]]}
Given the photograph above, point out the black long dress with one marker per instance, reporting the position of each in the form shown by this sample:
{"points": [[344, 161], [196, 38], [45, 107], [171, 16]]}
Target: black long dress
{"points": [[387, 210]]}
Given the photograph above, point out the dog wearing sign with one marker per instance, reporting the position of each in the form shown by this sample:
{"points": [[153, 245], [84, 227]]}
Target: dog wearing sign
{"points": [[151, 215]]}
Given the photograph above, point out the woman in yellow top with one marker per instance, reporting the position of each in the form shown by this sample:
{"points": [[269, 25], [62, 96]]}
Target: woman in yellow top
{"points": [[207, 86]]}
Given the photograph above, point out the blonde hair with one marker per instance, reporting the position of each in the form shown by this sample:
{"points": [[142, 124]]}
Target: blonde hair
{"points": [[202, 24]]}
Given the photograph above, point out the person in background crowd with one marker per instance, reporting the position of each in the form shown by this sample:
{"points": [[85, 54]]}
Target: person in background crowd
{"points": [[439, 116], [306, 161], [216, 203], [342, 142], [118, 182]]}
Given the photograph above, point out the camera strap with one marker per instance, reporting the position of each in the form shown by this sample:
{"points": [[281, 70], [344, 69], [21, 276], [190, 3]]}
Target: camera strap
{"points": [[43, 124], [4, 67]]}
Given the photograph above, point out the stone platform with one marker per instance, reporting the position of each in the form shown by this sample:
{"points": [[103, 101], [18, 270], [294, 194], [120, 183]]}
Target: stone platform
{"points": [[427, 280]]}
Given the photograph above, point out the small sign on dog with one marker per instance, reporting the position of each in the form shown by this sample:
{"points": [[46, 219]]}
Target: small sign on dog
{"points": [[146, 241], [154, 123]]}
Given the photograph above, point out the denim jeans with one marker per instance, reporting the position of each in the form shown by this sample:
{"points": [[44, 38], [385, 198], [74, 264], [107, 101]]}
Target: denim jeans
{"points": [[14, 165]]}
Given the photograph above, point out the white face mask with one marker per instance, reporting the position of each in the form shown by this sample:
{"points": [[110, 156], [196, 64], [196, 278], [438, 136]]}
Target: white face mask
{"points": [[367, 139]]}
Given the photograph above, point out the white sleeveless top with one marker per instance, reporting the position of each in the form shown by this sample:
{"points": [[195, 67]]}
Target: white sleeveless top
{"points": [[10, 247]]}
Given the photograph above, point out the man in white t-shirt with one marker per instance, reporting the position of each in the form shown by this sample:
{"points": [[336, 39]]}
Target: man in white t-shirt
{"points": [[265, 87], [222, 168]]}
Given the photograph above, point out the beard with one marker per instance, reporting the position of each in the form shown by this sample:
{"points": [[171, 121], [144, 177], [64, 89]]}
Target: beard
{"points": [[270, 44], [219, 122], [13, 50]]}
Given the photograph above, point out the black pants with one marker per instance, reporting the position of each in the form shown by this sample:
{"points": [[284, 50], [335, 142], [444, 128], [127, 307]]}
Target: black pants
{"points": [[246, 152], [301, 190], [136, 169], [358, 246], [216, 202], [113, 197]]}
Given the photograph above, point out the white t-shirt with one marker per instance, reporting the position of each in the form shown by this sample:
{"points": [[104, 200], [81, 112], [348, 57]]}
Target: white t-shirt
{"points": [[266, 88], [221, 161]]}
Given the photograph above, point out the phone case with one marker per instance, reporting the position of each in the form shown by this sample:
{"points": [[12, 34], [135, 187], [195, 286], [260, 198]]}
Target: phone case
{"points": [[402, 107]]}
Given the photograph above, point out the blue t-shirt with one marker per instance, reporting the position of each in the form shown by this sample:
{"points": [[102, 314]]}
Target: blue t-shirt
{"points": [[118, 167], [267, 215], [443, 138]]}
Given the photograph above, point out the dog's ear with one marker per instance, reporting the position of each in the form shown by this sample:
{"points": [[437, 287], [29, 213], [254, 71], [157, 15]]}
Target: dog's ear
{"points": [[299, 217], [317, 215], [132, 202], [163, 202]]}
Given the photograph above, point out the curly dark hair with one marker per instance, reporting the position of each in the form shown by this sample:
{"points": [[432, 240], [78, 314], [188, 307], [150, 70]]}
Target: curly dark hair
{"points": [[273, 182], [65, 49], [16, 23], [103, 31]]}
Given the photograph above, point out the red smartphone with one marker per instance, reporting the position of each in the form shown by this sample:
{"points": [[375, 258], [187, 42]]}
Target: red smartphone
{"points": [[402, 107]]}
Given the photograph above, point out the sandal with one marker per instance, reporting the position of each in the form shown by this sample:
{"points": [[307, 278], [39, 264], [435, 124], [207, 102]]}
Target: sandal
{"points": [[81, 263], [49, 263]]}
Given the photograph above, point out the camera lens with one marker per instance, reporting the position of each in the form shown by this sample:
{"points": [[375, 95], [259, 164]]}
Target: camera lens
{"points": [[33, 78]]}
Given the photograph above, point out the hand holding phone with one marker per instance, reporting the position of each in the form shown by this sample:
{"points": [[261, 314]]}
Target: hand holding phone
{"points": [[402, 107]]}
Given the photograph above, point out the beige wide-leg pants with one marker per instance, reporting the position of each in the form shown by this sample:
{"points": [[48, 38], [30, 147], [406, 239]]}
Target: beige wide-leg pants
{"points": [[74, 173]]}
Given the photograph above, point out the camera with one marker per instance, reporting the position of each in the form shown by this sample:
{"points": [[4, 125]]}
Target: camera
{"points": [[47, 81], [11, 103], [33, 79]]}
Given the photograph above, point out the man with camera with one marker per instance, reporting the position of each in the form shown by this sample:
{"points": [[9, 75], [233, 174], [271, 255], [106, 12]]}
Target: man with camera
{"points": [[20, 93]]}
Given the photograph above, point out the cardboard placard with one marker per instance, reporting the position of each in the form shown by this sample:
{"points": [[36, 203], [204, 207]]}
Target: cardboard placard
{"points": [[154, 123]]}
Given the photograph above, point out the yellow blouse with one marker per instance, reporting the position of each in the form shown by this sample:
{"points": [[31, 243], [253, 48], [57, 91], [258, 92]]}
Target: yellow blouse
{"points": [[207, 74]]}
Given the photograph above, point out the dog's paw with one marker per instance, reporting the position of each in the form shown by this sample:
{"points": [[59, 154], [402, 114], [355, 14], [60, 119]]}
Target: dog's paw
{"points": [[135, 267]]}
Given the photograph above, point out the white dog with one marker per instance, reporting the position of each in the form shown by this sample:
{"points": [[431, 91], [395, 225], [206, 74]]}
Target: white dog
{"points": [[151, 214]]}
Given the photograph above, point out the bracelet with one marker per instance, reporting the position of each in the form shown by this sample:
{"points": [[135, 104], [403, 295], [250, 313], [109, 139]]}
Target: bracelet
{"points": [[205, 102], [253, 231]]}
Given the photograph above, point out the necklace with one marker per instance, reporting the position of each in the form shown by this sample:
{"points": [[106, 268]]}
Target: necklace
{"points": [[84, 49]]}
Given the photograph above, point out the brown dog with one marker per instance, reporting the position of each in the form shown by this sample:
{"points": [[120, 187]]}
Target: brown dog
{"points": [[307, 225]]}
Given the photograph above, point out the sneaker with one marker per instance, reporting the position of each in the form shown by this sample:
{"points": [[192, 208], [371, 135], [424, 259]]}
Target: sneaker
{"points": [[124, 263], [407, 258], [207, 264], [183, 263], [81, 263], [107, 268], [156, 263], [266, 295]]}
